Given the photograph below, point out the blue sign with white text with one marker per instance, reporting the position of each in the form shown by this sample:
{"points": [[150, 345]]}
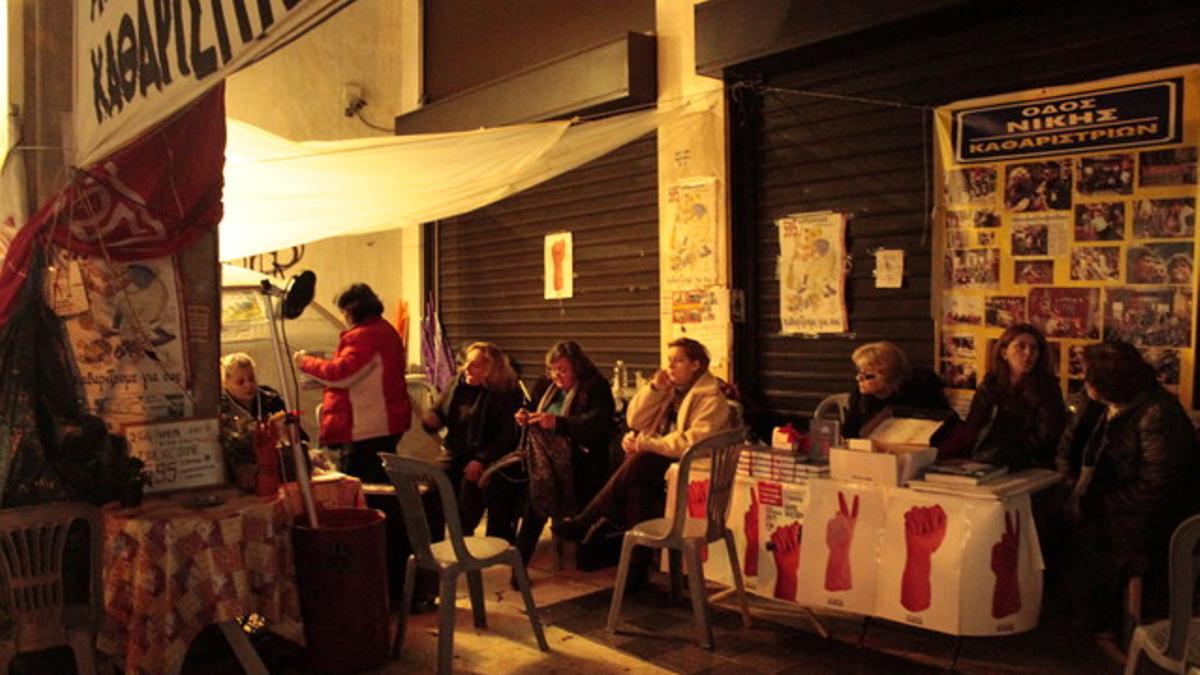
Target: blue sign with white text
{"points": [[1148, 113]]}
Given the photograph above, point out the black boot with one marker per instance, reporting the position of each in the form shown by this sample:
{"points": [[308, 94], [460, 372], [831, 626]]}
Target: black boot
{"points": [[575, 528]]}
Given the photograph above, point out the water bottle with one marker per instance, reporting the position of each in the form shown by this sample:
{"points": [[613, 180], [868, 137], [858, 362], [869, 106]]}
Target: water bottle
{"points": [[618, 379]]}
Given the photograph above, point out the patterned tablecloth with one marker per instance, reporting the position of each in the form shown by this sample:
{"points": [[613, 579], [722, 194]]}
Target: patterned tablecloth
{"points": [[173, 567]]}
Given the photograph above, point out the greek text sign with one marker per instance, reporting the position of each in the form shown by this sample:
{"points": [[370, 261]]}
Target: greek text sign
{"points": [[1120, 117]]}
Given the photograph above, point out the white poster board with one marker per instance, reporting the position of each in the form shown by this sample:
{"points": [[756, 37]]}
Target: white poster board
{"points": [[558, 261], [919, 578], [781, 517], [1002, 562], [178, 455], [841, 545]]}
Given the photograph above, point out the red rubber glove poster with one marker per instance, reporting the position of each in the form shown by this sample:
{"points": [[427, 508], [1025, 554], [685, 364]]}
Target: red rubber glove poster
{"points": [[919, 571], [716, 558], [841, 546], [782, 537], [1004, 560]]}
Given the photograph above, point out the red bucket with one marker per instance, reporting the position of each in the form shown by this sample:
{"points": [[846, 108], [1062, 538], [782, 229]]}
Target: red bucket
{"points": [[341, 574]]}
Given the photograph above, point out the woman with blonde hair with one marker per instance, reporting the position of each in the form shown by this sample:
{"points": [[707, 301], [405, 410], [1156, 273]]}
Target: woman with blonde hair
{"points": [[886, 378], [477, 411]]}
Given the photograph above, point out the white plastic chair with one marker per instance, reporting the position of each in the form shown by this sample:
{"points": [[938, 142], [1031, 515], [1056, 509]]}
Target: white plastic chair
{"points": [[32, 541], [1174, 643], [679, 534], [457, 554], [832, 408]]}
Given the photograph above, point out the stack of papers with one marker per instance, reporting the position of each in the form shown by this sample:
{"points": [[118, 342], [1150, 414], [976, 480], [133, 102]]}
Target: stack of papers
{"points": [[787, 467]]}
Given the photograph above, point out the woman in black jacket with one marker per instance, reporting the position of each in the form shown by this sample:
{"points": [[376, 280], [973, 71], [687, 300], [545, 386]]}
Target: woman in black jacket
{"points": [[1131, 459], [477, 411], [573, 401], [886, 378], [1017, 415]]}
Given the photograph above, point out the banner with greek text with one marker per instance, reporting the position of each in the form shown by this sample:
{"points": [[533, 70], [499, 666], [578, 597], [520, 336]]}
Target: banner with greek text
{"points": [[137, 62], [1071, 208]]}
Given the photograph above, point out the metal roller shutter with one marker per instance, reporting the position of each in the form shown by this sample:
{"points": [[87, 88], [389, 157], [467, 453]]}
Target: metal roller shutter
{"points": [[795, 153], [489, 269]]}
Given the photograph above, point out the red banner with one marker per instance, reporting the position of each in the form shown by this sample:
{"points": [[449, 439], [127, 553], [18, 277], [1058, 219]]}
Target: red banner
{"points": [[148, 200]]}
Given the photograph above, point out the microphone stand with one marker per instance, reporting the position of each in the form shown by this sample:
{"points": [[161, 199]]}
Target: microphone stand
{"points": [[291, 422]]}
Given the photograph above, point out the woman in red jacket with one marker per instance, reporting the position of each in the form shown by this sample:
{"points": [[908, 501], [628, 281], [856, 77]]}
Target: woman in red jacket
{"points": [[365, 408]]}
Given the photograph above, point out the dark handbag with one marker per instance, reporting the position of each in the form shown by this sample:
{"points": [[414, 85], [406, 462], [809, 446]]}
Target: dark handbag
{"points": [[551, 476]]}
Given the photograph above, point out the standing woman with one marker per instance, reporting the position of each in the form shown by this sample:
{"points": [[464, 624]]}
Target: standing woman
{"points": [[574, 401], [1131, 458], [477, 412], [365, 408], [1017, 415]]}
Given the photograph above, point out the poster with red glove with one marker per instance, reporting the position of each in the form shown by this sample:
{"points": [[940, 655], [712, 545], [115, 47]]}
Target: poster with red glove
{"points": [[782, 509], [1003, 560], [919, 566], [742, 511], [841, 544]]}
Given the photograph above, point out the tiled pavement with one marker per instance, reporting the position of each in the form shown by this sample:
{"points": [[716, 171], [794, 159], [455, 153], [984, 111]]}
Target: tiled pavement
{"points": [[655, 638]]}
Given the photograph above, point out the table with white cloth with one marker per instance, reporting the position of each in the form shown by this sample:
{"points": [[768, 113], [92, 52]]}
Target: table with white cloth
{"points": [[961, 565]]}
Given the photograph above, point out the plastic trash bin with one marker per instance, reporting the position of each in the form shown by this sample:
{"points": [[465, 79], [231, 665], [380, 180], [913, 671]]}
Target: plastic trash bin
{"points": [[341, 575]]}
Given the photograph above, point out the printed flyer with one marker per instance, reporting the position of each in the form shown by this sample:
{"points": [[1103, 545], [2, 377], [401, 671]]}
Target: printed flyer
{"points": [[812, 273], [1072, 208]]}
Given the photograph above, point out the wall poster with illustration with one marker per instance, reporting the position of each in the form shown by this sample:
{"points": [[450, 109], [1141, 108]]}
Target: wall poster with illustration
{"points": [[1086, 198]]}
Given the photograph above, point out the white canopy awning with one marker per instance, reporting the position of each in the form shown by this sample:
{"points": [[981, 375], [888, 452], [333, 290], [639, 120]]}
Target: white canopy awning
{"points": [[280, 193]]}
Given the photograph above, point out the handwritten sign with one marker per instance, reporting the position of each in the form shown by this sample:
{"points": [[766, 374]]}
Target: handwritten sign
{"points": [[178, 455]]}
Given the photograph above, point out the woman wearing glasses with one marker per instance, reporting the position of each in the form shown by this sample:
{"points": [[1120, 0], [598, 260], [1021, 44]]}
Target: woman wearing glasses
{"points": [[574, 402], [886, 378]]}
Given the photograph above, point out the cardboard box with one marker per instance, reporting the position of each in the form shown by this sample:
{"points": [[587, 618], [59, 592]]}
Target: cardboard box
{"points": [[886, 469]]}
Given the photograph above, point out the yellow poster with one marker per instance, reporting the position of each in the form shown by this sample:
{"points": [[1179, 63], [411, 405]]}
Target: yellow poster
{"points": [[1071, 208]]}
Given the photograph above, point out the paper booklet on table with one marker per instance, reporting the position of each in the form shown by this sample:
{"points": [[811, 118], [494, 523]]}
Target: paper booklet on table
{"points": [[1028, 480], [963, 472]]}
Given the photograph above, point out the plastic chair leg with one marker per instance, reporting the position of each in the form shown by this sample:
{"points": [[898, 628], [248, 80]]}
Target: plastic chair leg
{"points": [[744, 604], [85, 654], [518, 569], [475, 587], [614, 610], [695, 571], [446, 623], [1136, 645], [675, 568], [410, 580]]}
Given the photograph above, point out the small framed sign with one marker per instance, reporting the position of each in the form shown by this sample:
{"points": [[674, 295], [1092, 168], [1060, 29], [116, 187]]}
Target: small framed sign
{"points": [[178, 454]]}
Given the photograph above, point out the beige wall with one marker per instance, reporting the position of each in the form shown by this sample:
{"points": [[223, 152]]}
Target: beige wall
{"points": [[297, 93], [692, 147]]}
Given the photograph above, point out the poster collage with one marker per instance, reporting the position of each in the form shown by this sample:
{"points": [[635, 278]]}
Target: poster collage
{"points": [[1095, 243]]}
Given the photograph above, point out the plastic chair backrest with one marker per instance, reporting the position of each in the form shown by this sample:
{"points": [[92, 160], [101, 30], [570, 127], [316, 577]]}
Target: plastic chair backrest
{"points": [[32, 540], [832, 407], [422, 395], [407, 476], [722, 450], [1182, 585]]}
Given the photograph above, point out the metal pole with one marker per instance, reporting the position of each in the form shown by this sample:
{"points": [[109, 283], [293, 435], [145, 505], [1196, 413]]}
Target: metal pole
{"points": [[298, 458]]}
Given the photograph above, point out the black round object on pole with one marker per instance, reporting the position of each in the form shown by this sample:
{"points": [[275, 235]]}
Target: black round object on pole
{"points": [[300, 292]]}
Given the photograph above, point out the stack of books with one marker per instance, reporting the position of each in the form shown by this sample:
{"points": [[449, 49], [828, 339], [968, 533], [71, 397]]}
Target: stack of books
{"points": [[765, 463], [963, 472]]}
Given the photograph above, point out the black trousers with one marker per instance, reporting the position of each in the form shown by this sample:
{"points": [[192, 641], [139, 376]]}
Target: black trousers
{"points": [[501, 499], [634, 493], [361, 458]]}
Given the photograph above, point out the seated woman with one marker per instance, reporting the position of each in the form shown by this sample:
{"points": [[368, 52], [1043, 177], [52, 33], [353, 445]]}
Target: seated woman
{"points": [[365, 407], [477, 412], [885, 379], [1017, 415], [245, 402], [1130, 456], [576, 403], [680, 406], [241, 394]]}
